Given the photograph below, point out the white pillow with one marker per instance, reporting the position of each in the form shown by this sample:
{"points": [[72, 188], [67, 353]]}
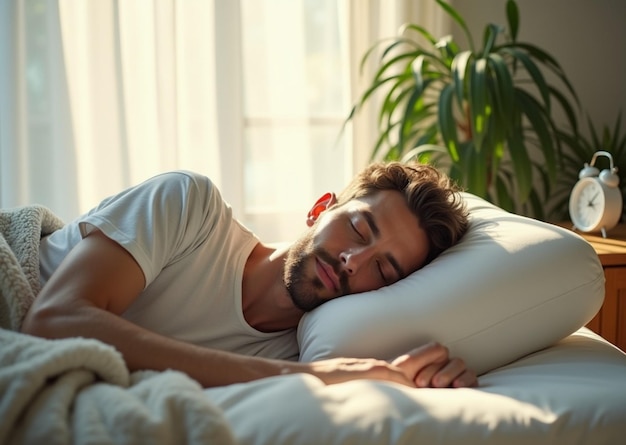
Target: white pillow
{"points": [[512, 286]]}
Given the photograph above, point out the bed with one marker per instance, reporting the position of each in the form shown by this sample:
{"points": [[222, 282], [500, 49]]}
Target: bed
{"points": [[512, 298]]}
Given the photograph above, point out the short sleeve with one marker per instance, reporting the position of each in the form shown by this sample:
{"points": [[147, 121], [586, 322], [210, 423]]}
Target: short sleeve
{"points": [[161, 219]]}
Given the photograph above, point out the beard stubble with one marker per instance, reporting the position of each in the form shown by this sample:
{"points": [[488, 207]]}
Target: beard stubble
{"points": [[304, 290]]}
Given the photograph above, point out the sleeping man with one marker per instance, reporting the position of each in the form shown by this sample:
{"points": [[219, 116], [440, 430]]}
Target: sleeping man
{"points": [[165, 274]]}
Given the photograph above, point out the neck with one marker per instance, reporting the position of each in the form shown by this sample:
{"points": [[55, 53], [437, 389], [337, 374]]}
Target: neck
{"points": [[266, 303]]}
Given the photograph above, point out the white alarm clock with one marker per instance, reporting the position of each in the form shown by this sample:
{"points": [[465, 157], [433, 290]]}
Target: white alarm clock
{"points": [[595, 204]]}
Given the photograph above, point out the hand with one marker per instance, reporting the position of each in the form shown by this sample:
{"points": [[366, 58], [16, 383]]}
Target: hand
{"points": [[428, 366]]}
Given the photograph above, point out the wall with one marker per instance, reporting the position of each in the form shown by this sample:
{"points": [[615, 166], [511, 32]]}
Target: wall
{"points": [[587, 37]]}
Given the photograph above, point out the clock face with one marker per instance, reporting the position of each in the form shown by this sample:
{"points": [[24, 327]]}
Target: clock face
{"points": [[587, 204]]}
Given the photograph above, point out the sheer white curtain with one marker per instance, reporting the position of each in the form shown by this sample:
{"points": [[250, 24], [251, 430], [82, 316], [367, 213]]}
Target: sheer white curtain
{"points": [[99, 95], [141, 88], [36, 144]]}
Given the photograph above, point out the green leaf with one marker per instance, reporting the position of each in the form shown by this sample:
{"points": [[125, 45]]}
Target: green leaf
{"points": [[459, 69], [448, 50], [379, 84], [392, 100], [426, 137], [392, 64], [491, 33], [536, 204], [419, 114], [407, 120], [478, 101], [521, 164], [477, 175], [566, 107], [447, 123], [534, 72], [496, 160], [545, 179], [504, 195], [538, 119], [416, 68], [382, 139], [371, 51], [420, 30], [547, 60], [422, 149], [512, 16], [503, 88], [457, 18], [399, 43]]}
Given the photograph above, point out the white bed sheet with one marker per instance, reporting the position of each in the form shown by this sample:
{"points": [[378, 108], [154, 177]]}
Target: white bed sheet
{"points": [[571, 393]]}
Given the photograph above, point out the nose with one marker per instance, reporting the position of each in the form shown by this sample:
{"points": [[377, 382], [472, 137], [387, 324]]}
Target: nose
{"points": [[352, 259]]}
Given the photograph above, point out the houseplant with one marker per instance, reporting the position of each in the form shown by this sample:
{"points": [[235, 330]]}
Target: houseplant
{"points": [[577, 150], [485, 114]]}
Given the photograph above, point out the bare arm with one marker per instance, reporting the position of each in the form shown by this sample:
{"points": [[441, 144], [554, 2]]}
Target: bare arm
{"points": [[99, 279], [94, 285]]}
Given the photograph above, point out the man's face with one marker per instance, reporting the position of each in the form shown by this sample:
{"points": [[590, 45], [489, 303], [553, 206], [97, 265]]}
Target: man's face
{"points": [[362, 245]]}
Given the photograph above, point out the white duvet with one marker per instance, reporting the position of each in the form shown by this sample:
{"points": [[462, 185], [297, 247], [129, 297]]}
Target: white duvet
{"points": [[79, 391], [571, 393]]}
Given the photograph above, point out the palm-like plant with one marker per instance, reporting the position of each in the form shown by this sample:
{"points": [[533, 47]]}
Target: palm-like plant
{"points": [[578, 149], [485, 114]]}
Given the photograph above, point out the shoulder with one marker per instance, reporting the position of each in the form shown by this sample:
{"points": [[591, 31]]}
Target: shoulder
{"points": [[161, 218], [165, 199], [182, 179], [183, 187], [192, 197]]}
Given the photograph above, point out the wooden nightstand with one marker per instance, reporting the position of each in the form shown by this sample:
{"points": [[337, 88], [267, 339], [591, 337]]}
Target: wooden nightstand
{"points": [[610, 322]]}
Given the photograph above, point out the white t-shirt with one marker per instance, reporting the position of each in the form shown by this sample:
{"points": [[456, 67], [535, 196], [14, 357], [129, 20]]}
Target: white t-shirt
{"points": [[192, 253]]}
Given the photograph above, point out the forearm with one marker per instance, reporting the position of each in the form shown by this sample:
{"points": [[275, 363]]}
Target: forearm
{"points": [[143, 349]]}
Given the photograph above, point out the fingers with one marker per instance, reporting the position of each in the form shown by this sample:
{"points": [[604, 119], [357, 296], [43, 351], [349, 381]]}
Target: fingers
{"points": [[430, 366], [425, 378], [466, 380], [453, 374]]}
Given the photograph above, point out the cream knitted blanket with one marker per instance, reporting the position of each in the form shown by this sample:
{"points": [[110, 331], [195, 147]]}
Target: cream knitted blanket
{"points": [[20, 231], [79, 391]]}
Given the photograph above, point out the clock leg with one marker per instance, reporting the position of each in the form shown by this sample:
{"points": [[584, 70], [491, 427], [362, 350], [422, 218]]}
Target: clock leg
{"points": [[603, 230]]}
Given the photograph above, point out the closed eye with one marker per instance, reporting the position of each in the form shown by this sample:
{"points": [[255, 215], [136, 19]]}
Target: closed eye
{"points": [[380, 271], [356, 231]]}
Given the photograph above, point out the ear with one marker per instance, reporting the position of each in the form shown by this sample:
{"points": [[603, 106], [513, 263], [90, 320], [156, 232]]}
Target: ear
{"points": [[320, 206]]}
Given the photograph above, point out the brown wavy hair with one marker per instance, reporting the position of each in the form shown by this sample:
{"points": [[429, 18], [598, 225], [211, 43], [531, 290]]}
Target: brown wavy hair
{"points": [[430, 194]]}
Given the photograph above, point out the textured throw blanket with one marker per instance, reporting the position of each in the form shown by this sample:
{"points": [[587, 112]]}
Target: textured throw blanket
{"points": [[79, 391], [20, 231]]}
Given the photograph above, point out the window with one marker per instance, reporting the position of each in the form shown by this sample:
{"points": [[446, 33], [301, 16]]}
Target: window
{"points": [[253, 93], [295, 100]]}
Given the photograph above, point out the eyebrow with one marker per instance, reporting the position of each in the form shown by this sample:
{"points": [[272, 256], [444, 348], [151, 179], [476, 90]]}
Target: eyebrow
{"points": [[369, 218]]}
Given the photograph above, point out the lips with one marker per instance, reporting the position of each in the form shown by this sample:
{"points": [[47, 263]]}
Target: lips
{"points": [[328, 276]]}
